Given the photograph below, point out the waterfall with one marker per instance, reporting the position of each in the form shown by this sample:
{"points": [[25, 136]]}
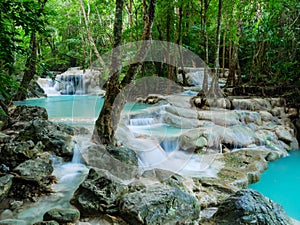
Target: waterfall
{"points": [[76, 155], [170, 145], [141, 121], [48, 85]]}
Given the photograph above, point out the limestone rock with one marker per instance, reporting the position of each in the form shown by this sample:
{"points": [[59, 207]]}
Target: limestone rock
{"points": [[35, 169], [14, 153], [5, 185], [51, 222], [34, 179], [250, 207], [119, 161], [28, 113], [182, 112], [181, 122], [123, 154], [153, 99], [266, 116], [35, 90], [210, 192], [55, 138], [251, 104], [221, 117], [284, 134], [251, 162], [62, 215], [158, 205], [98, 193]]}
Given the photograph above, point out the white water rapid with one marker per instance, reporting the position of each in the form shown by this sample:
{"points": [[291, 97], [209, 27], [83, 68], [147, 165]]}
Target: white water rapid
{"points": [[69, 175]]}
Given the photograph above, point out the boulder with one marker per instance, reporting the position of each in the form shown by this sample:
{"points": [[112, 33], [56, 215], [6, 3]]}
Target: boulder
{"points": [[181, 122], [16, 152], [51, 222], [153, 99], [5, 185], [119, 161], [266, 116], [28, 113], [123, 154], [158, 205], [98, 193], [251, 162], [252, 104], [284, 134], [56, 138], [182, 112], [62, 215], [33, 178], [210, 192], [34, 169], [250, 207], [220, 117]]}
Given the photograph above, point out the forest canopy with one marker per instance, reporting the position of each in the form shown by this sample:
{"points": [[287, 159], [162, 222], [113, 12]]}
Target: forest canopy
{"points": [[259, 40]]}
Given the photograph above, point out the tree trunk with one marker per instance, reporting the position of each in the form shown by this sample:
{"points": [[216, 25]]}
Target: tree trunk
{"points": [[30, 65], [30, 70], [108, 119], [215, 90], [204, 6], [170, 70], [89, 34], [179, 38], [103, 131]]}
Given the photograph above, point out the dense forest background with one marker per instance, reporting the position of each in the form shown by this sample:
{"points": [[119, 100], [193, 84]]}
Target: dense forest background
{"points": [[257, 40]]}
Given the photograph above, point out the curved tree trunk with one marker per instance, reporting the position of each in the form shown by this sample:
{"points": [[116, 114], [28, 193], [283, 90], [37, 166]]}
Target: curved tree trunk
{"points": [[103, 131], [107, 121]]}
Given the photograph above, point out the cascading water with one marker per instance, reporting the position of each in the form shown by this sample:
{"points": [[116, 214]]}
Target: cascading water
{"points": [[47, 84], [157, 145], [69, 175]]}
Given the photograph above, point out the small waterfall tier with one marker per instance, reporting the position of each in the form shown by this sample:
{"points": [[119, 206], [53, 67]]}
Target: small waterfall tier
{"points": [[73, 81]]}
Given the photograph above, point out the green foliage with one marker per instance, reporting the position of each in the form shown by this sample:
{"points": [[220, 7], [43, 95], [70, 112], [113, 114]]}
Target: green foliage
{"points": [[7, 85], [268, 45]]}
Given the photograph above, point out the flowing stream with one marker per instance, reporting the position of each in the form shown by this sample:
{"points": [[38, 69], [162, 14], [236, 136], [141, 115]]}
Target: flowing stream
{"points": [[162, 151]]}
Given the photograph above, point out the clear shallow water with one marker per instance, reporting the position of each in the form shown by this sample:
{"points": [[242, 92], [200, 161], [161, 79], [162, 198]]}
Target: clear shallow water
{"points": [[281, 183], [80, 110]]}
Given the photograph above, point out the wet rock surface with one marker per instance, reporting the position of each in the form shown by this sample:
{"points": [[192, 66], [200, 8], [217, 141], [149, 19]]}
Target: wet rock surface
{"points": [[98, 193], [159, 205], [250, 207], [26, 144], [62, 215], [243, 139], [5, 185], [119, 161], [31, 134]]}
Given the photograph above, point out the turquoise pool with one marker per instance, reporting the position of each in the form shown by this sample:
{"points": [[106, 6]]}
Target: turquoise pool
{"points": [[281, 183]]}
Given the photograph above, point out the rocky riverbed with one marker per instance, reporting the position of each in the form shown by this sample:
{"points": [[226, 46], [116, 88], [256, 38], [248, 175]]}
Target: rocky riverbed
{"points": [[235, 140]]}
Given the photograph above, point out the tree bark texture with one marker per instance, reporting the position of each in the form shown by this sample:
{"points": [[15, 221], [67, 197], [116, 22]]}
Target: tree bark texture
{"points": [[108, 119]]}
